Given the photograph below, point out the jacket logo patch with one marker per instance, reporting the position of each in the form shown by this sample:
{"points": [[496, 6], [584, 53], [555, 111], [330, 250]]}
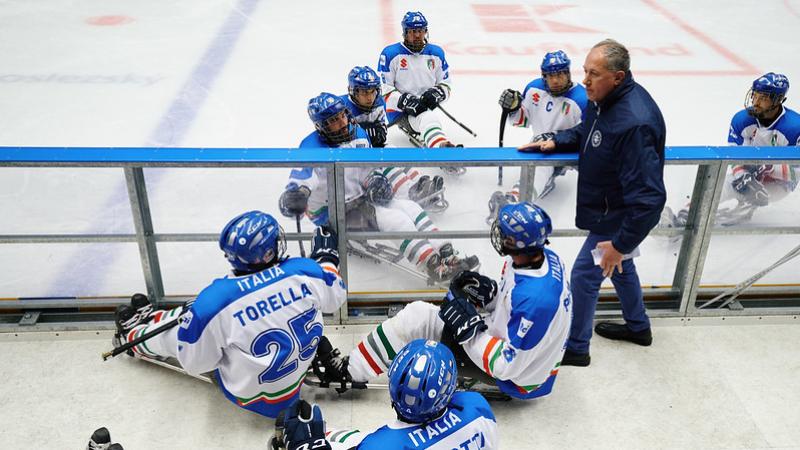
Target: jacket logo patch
{"points": [[524, 326], [403, 63], [597, 138], [535, 98], [431, 64]]}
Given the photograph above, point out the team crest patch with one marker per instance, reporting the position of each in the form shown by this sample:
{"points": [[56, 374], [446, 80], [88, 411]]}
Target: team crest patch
{"points": [[431, 64], [509, 354], [524, 326], [597, 138]]}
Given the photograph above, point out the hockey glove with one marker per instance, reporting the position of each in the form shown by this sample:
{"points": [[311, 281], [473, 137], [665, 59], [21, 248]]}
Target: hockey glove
{"points": [[461, 318], [325, 246], [411, 105], [544, 137], [293, 202], [751, 189], [304, 428], [376, 132], [378, 189], [433, 96], [510, 100], [479, 289]]}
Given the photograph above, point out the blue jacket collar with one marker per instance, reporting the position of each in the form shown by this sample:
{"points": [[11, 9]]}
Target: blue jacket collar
{"points": [[618, 92]]}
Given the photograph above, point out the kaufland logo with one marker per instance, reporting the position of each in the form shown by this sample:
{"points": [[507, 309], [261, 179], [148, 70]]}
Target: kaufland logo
{"points": [[513, 18]]}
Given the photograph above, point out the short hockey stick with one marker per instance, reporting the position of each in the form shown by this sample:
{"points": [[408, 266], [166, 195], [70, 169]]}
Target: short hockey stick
{"points": [[456, 121], [503, 117], [129, 345]]}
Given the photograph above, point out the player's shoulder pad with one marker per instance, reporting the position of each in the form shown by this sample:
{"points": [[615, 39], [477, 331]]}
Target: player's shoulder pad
{"points": [[578, 94], [741, 119], [473, 403], [313, 140], [535, 84], [790, 126], [434, 50], [389, 53]]}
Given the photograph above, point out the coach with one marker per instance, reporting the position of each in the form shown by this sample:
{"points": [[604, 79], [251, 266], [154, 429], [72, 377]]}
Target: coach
{"points": [[620, 193]]}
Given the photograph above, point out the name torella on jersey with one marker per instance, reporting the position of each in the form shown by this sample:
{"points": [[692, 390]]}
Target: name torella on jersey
{"points": [[545, 113], [316, 178], [403, 71], [526, 338], [273, 318], [466, 424]]}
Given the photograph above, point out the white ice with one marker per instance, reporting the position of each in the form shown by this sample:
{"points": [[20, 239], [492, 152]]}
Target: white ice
{"points": [[240, 73]]}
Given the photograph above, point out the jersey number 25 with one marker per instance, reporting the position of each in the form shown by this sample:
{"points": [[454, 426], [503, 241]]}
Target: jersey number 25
{"points": [[305, 335]]}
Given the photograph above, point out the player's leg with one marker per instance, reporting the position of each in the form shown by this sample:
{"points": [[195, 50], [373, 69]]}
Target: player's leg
{"points": [[401, 179], [373, 355], [138, 318], [430, 128], [394, 217]]}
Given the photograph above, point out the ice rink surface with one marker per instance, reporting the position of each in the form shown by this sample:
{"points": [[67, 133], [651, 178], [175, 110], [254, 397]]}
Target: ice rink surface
{"points": [[239, 74]]}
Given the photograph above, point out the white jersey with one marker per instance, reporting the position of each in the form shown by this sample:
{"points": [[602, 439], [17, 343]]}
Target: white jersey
{"points": [[467, 424], [316, 178], [260, 331], [545, 113], [783, 131], [403, 71], [529, 323]]}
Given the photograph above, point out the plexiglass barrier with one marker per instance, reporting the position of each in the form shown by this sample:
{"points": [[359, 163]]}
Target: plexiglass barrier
{"points": [[85, 227]]}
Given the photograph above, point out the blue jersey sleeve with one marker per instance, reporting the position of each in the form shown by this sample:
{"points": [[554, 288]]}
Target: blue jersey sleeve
{"points": [[531, 314], [739, 121]]}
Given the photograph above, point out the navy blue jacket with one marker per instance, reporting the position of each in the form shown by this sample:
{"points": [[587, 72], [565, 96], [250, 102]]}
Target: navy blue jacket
{"points": [[620, 141]]}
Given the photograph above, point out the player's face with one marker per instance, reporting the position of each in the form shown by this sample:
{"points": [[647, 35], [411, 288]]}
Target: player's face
{"points": [[337, 123], [365, 97], [416, 36], [762, 103], [557, 82], [598, 80]]}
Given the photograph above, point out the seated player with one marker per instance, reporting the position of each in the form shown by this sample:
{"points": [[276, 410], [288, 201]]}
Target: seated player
{"points": [[370, 203], [257, 329], [430, 414]]}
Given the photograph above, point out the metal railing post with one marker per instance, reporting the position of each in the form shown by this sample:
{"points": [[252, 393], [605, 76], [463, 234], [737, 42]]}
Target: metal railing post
{"points": [[336, 191], [694, 247], [143, 224]]}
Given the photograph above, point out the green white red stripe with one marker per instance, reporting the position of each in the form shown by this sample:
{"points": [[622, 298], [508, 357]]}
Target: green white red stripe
{"points": [[490, 354], [273, 397]]}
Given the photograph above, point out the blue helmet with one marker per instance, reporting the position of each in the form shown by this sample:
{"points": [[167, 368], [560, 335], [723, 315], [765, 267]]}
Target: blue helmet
{"points": [[774, 85], [771, 83], [325, 107], [422, 379], [252, 241], [363, 78], [521, 228], [414, 20], [553, 63]]}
